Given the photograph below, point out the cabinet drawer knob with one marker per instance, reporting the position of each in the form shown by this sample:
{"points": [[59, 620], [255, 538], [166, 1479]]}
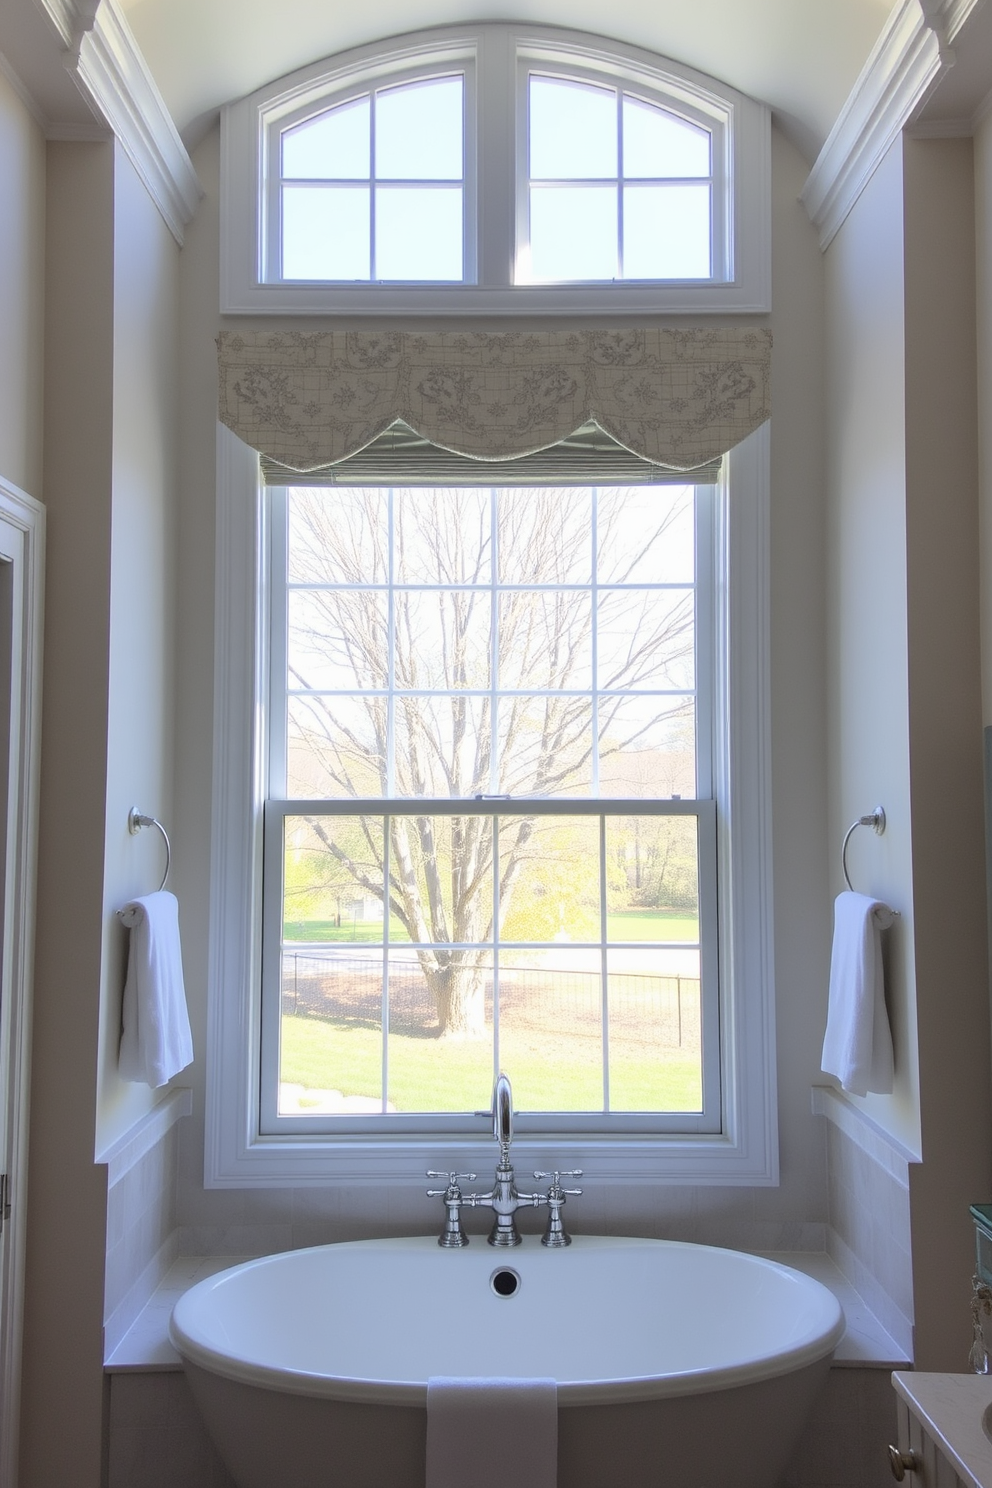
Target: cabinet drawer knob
{"points": [[902, 1462]]}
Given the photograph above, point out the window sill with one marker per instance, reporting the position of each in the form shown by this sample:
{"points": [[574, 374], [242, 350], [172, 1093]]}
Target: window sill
{"points": [[371, 300], [287, 1162]]}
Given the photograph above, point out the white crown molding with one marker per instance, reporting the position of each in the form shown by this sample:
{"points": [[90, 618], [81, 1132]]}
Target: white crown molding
{"points": [[981, 113], [77, 68], [112, 75], [71, 19], [913, 52], [941, 129], [9, 71], [86, 134]]}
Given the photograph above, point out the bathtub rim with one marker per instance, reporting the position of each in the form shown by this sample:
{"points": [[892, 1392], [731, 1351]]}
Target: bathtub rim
{"points": [[366, 1391]]}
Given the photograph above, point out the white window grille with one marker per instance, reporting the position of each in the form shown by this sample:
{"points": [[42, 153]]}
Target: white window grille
{"points": [[556, 172], [490, 834]]}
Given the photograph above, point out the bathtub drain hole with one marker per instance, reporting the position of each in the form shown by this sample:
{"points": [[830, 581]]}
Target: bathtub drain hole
{"points": [[504, 1282]]}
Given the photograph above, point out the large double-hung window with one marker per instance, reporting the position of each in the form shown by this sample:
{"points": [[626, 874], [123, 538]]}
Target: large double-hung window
{"points": [[490, 837]]}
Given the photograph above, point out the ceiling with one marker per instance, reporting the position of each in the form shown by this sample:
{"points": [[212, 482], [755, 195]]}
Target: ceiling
{"points": [[800, 56]]}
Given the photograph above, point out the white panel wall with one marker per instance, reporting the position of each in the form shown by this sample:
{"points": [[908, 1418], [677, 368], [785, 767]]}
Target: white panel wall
{"points": [[868, 660], [143, 599]]}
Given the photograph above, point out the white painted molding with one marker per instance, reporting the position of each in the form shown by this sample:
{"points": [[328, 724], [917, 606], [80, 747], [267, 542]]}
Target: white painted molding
{"points": [[122, 1155], [79, 133], [941, 129], [908, 60], [981, 113], [22, 540], [114, 78], [9, 71], [71, 19], [745, 1153], [863, 1131]]}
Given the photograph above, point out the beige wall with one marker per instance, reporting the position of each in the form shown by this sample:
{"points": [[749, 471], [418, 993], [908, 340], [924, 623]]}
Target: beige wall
{"points": [[111, 281], [983, 295], [22, 291], [945, 739], [66, 1202]]}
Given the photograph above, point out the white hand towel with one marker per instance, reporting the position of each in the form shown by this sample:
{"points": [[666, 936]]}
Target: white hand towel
{"points": [[857, 1046], [488, 1433], [156, 1042]]}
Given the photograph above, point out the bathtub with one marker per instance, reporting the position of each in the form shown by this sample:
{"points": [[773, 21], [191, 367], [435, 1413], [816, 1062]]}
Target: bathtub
{"points": [[677, 1365]]}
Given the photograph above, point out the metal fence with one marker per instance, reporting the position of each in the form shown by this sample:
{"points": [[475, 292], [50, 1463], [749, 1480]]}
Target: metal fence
{"points": [[644, 1008]]}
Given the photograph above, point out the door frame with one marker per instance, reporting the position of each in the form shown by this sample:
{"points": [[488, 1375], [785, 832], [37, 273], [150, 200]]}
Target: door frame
{"points": [[23, 517]]}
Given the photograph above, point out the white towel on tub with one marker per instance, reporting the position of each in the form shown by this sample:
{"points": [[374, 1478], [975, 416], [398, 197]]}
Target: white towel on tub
{"points": [[857, 1046], [156, 1042], [492, 1433]]}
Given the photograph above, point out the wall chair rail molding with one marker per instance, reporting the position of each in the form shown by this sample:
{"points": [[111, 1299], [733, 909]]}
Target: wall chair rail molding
{"points": [[912, 55], [78, 63]]}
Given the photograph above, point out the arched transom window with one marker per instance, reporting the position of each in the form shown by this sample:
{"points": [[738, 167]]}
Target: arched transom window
{"points": [[499, 171]]}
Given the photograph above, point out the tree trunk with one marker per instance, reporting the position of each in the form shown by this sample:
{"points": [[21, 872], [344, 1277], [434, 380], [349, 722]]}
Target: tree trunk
{"points": [[459, 993]]}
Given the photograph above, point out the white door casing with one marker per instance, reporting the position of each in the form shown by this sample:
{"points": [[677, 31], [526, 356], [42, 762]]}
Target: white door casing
{"points": [[22, 536]]}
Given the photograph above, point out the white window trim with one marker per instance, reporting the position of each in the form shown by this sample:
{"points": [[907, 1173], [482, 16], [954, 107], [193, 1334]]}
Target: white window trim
{"points": [[491, 52], [746, 1151]]}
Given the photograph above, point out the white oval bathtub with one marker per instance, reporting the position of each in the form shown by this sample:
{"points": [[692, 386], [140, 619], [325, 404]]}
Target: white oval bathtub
{"points": [[311, 1367]]}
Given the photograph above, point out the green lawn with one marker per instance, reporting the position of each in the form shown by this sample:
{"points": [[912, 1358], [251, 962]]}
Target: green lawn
{"points": [[629, 924], [431, 1075]]}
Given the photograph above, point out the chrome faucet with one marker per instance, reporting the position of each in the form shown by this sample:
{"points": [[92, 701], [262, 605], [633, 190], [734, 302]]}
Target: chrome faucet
{"points": [[503, 1198], [502, 1111]]}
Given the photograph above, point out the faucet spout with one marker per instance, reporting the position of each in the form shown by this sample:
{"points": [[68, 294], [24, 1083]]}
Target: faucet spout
{"points": [[503, 1198], [502, 1111]]}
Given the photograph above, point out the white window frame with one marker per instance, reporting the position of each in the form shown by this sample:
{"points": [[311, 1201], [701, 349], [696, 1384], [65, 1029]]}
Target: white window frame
{"points": [[279, 806], [687, 103], [745, 1150], [493, 57], [297, 111]]}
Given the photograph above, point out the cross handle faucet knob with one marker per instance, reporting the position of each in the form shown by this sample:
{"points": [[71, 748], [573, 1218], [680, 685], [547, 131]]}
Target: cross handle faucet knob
{"points": [[556, 1178], [439, 1193]]}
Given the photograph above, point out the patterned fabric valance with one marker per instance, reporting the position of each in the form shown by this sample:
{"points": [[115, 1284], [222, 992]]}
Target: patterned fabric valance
{"points": [[678, 398]]}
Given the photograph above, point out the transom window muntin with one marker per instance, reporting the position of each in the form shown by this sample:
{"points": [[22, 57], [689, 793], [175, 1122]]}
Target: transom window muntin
{"points": [[374, 583], [496, 191], [614, 184], [373, 188], [613, 1041], [545, 592]]}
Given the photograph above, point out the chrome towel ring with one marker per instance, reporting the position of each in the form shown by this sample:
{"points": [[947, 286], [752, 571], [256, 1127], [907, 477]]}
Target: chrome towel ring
{"points": [[135, 821], [876, 820]]}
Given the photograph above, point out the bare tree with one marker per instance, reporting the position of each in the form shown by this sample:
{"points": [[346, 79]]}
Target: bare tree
{"points": [[492, 691]]}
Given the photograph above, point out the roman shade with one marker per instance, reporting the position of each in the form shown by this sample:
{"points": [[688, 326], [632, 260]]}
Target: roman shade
{"points": [[402, 457], [672, 400]]}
